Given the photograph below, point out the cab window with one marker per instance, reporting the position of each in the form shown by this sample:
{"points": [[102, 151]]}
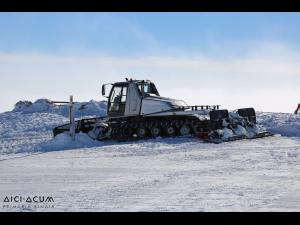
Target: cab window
{"points": [[124, 94], [149, 88], [118, 99], [116, 95]]}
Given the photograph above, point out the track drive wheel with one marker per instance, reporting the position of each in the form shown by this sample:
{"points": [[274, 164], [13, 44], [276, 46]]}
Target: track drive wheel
{"points": [[155, 131], [185, 130], [170, 130], [141, 132]]}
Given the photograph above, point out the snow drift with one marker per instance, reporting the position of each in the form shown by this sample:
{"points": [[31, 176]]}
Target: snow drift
{"points": [[286, 124], [28, 127], [64, 141]]}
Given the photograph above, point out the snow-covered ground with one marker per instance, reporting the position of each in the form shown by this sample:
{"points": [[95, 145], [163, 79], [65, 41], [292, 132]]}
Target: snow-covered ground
{"points": [[171, 174]]}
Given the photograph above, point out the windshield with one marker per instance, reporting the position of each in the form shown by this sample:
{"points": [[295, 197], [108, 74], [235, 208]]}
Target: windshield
{"points": [[149, 88]]}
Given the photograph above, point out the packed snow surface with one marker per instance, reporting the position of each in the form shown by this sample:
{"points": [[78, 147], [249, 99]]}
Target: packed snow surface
{"points": [[171, 174]]}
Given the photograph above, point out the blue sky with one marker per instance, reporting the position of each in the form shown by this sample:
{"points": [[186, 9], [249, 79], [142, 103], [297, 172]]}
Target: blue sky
{"points": [[232, 59], [139, 34]]}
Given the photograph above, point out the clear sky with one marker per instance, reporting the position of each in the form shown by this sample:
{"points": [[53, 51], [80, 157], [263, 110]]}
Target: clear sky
{"points": [[232, 59]]}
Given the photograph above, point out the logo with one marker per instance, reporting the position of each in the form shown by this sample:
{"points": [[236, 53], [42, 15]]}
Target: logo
{"points": [[28, 202]]}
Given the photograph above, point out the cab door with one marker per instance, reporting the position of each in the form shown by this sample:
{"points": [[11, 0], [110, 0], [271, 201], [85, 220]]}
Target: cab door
{"points": [[117, 100]]}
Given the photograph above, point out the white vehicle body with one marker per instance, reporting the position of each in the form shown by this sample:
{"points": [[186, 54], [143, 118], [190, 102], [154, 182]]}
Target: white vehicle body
{"points": [[134, 99]]}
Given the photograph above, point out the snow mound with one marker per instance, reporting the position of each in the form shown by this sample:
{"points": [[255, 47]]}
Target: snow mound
{"points": [[64, 141], [225, 133], [20, 132], [91, 108], [40, 105], [240, 130], [286, 124], [30, 124]]}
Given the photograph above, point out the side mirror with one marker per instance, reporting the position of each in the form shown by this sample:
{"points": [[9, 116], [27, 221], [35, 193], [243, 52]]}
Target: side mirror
{"points": [[103, 90], [106, 88]]}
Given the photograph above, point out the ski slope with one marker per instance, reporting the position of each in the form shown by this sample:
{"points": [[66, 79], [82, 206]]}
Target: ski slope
{"points": [[171, 174]]}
